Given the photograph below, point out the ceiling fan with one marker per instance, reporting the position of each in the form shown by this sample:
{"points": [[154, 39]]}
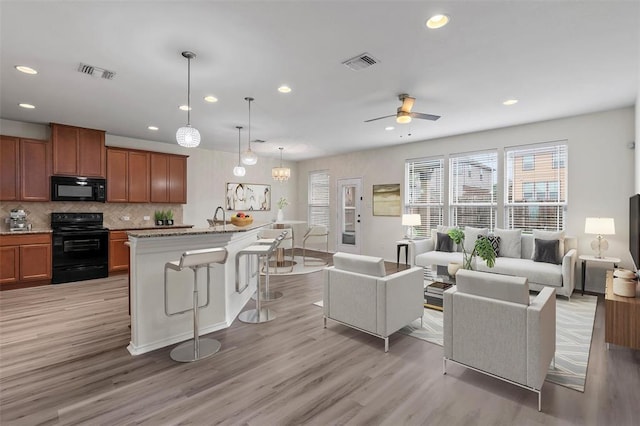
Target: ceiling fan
{"points": [[404, 113]]}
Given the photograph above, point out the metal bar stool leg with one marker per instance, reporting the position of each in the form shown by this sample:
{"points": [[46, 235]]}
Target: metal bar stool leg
{"points": [[259, 314]]}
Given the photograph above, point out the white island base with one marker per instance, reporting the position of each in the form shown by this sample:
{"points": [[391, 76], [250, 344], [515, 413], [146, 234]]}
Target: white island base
{"points": [[150, 328]]}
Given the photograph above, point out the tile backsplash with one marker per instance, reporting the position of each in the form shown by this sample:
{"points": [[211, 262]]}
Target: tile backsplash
{"points": [[39, 214]]}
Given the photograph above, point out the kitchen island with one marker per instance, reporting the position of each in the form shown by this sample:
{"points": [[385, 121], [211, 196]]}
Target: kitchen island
{"points": [[150, 250]]}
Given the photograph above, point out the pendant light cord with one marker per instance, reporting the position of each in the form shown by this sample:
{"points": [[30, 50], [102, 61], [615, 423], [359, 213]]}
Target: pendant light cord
{"points": [[239, 127], [188, 91]]}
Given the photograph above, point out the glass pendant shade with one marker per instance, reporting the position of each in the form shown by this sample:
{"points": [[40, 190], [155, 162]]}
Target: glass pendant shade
{"points": [[188, 137], [249, 157], [280, 174]]}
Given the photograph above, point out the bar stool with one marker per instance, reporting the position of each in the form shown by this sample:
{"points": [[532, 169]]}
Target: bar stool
{"points": [[259, 314], [268, 296], [198, 348]]}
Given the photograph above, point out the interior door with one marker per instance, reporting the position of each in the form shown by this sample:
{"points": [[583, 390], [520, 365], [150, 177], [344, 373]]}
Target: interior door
{"points": [[349, 235]]}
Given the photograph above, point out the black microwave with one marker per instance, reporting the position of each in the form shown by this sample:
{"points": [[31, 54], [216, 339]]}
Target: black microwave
{"points": [[67, 188]]}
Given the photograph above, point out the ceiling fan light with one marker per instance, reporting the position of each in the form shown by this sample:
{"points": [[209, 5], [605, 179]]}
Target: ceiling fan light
{"points": [[188, 136], [249, 157], [403, 118]]}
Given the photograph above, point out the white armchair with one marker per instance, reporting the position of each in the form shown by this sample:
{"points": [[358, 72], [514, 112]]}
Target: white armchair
{"points": [[491, 326], [358, 294]]}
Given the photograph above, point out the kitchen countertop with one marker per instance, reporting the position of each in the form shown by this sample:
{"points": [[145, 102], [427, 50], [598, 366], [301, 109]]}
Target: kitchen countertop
{"points": [[33, 231], [145, 227], [219, 229]]}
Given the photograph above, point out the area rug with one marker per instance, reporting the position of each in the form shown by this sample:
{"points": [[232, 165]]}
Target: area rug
{"points": [[299, 268], [574, 329]]}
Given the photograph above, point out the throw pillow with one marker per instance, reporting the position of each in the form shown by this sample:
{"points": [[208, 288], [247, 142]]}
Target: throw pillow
{"points": [[495, 243], [445, 229], [549, 235], [546, 251], [444, 242], [471, 234], [510, 244]]}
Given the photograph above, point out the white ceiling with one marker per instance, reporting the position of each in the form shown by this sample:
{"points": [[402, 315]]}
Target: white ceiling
{"points": [[558, 58]]}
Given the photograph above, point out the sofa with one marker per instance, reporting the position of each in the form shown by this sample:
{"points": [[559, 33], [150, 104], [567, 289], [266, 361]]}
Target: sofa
{"points": [[490, 325], [359, 294], [539, 274]]}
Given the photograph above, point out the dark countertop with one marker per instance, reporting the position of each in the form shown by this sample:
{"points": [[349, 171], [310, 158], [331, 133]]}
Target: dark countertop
{"points": [[33, 231]]}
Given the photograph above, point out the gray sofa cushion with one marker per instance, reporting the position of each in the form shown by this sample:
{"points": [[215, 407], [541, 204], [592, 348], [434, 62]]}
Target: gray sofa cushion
{"points": [[546, 251], [549, 235], [501, 287], [360, 264], [471, 235], [444, 242], [535, 272], [510, 245], [438, 258]]}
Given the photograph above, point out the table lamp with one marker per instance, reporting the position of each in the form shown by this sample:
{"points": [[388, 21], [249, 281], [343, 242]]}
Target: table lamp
{"points": [[410, 220], [599, 226]]}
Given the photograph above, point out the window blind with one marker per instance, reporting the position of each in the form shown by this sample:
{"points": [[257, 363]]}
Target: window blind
{"points": [[472, 185], [424, 192], [536, 197], [318, 199]]}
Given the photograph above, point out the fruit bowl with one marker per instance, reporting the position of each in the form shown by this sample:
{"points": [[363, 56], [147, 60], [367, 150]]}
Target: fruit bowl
{"points": [[241, 221]]}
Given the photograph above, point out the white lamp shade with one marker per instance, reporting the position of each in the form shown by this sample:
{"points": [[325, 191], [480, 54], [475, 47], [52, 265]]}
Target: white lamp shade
{"points": [[188, 137], [599, 226], [249, 158], [411, 220], [239, 171]]}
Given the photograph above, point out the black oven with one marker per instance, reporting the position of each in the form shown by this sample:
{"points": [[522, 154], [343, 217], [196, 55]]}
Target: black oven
{"points": [[80, 247], [67, 188]]}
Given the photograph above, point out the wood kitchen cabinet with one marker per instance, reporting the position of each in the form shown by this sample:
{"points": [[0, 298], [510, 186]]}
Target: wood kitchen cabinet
{"points": [[118, 251], [128, 177], [24, 169], [78, 151], [168, 178], [25, 258]]}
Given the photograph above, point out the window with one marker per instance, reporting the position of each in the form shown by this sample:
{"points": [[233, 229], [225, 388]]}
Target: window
{"points": [[472, 186], [318, 198], [536, 199], [528, 162], [424, 192]]}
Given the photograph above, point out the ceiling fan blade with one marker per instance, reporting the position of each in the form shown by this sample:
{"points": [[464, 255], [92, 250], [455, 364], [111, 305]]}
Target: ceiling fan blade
{"points": [[380, 118], [424, 116], [407, 103]]}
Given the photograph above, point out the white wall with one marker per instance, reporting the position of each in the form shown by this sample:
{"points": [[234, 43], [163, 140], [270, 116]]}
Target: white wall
{"points": [[601, 169], [208, 172]]}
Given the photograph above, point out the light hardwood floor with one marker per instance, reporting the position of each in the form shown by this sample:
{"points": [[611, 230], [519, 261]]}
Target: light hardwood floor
{"points": [[63, 361]]}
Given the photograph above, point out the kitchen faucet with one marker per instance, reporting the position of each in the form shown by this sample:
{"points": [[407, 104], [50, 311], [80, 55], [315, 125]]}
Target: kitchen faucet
{"points": [[215, 216]]}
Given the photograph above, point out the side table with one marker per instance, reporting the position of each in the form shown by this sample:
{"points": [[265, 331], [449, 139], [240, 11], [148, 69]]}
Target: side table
{"points": [[622, 317], [590, 258], [399, 245]]}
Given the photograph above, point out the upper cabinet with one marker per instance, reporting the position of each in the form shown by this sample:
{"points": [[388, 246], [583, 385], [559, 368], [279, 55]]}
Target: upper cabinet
{"points": [[78, 151], [24, 169], [168, 178], [128, 177]]}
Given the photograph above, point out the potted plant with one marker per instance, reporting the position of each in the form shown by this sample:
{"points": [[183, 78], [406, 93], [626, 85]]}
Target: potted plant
{"points": [[282, 203], [168, 217], [158, 215], [482, 247]]}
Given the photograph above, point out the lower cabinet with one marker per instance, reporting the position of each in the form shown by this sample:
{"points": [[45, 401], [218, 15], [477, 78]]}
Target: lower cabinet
{"points": [[25, 258], [118, 251]]}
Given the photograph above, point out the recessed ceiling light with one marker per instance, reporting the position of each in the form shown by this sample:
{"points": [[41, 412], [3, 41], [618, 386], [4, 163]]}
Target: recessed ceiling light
{"points": [[25, 69], [389, 128], [284, 89], [510, 102], [27, 106], [185, 108], [152, 128], [437, 21], [211, 99]]}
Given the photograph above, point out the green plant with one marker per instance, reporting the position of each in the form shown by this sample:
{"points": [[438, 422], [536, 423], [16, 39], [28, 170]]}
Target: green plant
{"points": [[157, 215], [482, 247], [282, 203], [168, 214]]}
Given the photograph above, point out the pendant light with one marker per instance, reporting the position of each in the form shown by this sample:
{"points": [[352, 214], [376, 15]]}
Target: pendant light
{"points": [[281, 173], [249, 157], [188, 136], [239, 170]]}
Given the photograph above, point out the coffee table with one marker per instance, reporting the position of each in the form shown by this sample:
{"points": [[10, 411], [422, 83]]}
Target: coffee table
{"points": [[433, 292]]}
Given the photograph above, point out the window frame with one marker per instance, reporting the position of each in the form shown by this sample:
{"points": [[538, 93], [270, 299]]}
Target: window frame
{"points": [[312, 201], [429, 209]]}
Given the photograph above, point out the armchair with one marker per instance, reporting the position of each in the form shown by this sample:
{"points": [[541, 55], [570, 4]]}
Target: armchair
{"points": [[358, 294], [491, 327]]}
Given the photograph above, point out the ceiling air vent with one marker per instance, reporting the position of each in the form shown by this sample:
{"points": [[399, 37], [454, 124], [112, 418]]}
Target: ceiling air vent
{"points": [[360, 62], [96, 72]]}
